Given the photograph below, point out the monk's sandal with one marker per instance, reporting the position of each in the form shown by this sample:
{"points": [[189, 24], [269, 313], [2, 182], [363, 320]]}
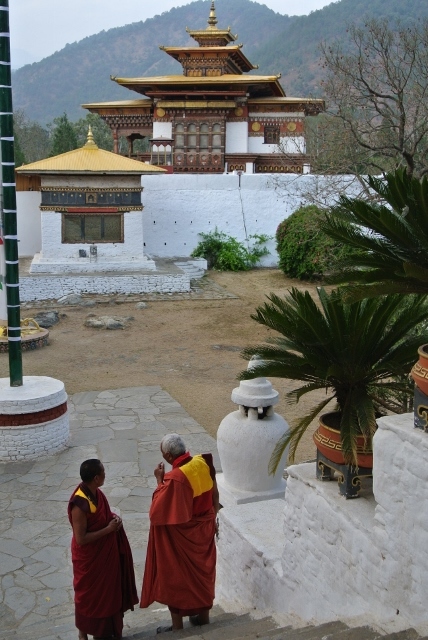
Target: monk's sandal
{"points": [[164, 629]]}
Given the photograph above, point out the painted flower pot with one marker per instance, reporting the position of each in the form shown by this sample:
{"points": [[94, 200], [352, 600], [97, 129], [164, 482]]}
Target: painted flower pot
{"points": [[328, 442], [419, 371]]}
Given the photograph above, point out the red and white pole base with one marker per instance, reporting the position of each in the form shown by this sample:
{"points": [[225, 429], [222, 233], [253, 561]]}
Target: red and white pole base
{"points": [[34, 419]]}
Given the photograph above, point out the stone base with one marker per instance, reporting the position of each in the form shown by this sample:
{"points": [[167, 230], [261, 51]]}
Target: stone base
{"points": [[103, 264], [230, 496], [28, 342], [34, 420], [170, 279]]}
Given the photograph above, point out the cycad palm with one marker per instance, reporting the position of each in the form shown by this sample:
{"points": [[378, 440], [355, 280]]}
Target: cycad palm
{"points": [[392, 235], [355, 351]]}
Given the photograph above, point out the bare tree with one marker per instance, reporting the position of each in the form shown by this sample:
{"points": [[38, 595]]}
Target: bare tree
{"points": [[376, 85], [376, 89]]}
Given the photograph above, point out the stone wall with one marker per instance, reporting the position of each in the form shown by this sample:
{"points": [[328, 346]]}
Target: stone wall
{"points": [[39, 287], [337, 558]]}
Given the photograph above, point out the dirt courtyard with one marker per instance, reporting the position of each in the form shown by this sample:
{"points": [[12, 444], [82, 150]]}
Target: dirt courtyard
{"points": [[190, 347]]}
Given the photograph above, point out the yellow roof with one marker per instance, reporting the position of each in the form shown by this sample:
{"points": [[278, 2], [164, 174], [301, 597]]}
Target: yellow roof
{"points": [[226, 78], [137, 104], [89, 159], [285, 100]]}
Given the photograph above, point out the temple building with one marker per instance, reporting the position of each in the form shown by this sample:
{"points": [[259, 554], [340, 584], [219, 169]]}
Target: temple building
{"points": [[216, 117]]}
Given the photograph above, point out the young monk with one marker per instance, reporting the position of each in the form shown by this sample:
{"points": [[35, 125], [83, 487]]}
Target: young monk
{"points": [[104, 581]]}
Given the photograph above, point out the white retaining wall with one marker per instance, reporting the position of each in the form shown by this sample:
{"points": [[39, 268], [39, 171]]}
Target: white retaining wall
{"points": [[178, 207], [336, 558], [40, 287]]}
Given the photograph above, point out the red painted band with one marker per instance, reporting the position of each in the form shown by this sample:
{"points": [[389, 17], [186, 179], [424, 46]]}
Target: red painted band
{"points": [[37, 417]]}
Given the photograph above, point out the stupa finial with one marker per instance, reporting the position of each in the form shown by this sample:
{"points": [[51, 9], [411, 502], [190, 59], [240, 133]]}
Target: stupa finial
{"points": [[212, 20], [90, 142]]}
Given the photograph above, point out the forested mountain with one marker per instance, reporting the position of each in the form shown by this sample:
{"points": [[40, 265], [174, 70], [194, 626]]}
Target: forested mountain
{"points": [[81, 71]]}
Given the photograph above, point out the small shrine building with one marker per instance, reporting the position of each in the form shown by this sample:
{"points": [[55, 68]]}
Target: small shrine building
{"points": [[91, 211], [217, 116]]}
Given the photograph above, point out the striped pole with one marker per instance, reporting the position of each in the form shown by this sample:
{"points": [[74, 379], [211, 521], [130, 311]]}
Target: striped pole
{"points": [[9, 201]]}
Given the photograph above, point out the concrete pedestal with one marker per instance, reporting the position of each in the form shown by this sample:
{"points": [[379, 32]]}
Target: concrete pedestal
{"points": [[34, 419], [230, 496]]}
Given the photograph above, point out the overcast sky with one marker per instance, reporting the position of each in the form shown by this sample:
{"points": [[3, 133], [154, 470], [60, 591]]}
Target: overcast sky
{"points": [[41, 27]]}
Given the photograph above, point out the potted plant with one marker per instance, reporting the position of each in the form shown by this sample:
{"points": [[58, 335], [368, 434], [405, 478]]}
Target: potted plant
{"points": [[355, 351], [390, 233]]}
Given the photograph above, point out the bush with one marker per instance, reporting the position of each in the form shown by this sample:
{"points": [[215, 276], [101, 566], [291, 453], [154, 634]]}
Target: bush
{"points": [[306, 252], [226, 253]]}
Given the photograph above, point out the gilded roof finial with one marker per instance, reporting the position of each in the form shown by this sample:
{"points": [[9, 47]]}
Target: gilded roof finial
{"points": [[212, 20], [90, 142]]}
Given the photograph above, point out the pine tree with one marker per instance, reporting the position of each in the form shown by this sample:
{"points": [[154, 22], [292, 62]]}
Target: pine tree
{"points": [[63, 136]]}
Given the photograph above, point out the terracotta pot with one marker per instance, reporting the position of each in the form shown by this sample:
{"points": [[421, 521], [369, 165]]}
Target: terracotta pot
{"points": [[419, 371], [327, 441]]}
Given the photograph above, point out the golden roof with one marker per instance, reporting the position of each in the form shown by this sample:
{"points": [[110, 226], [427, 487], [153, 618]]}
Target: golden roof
{"points": [[120, 104], [285, 100], [212, 82], [89, 159], [228, 78]]}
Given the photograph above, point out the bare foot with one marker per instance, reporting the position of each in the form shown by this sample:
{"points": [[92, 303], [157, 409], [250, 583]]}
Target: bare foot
{"points": [[83, 636]]}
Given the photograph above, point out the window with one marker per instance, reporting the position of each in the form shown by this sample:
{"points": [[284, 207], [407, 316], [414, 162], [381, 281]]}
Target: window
{"points": [[191, 136], [271, 135], [90, 228], [179, 136], [203, 138]]}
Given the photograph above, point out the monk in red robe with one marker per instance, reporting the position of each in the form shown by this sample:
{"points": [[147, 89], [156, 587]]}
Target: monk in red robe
{"points": [[181, 553], [103, 570]]}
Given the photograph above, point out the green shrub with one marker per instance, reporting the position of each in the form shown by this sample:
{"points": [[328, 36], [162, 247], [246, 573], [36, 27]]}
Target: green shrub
{"points": [[226, 253], [304, 250]]}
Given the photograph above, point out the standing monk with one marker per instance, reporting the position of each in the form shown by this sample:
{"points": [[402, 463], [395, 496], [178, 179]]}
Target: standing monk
{"points": [[104, 581], [181, 553]]}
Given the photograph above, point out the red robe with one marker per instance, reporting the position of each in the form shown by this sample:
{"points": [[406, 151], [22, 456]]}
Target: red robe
{"points": [[103, 572], [181, 553]]}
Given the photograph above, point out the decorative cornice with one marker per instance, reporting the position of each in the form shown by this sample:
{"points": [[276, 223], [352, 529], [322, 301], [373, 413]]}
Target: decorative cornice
{"points": [[88, 210], [95, 189]]}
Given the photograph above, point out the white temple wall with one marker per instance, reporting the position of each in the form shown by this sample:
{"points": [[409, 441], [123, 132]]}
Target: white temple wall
{"points": [[178, 207], [289, 144], [162, 129], [256, 144], [29, 222], [53, 249], [236, 137]]}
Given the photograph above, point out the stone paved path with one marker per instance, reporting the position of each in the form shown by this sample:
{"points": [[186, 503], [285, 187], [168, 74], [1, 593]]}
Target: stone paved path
{"points": [[123, 428]]}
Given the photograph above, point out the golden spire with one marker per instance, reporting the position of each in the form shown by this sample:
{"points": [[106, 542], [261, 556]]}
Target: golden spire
{"points": [[90, 142], [212, 20]]}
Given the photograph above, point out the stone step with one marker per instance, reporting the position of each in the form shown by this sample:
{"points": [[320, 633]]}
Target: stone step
{"points": [[310, 632], [193, 270], [223, 626], [218, 619], [407, 634], [357, 633]]}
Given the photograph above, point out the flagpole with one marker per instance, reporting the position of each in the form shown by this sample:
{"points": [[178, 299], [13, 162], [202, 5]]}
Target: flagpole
{"points": [[9, 202]]}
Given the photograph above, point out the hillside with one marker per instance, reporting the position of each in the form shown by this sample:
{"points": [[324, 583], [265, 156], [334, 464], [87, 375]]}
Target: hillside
{"points": [[295, 52], [81, 71]]}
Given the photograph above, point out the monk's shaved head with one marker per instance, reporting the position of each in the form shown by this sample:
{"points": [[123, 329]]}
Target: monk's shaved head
{"points": [[90, 468]]}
